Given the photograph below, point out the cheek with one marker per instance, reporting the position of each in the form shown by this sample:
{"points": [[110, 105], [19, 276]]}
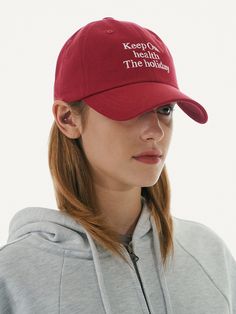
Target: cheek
{"points": [[101, 147]]}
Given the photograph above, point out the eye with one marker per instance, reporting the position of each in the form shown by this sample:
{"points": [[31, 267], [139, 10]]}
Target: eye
{"points": [[166, 110]]}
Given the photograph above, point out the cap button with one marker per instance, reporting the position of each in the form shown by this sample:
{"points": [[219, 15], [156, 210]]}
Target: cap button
{"points": [[108, 18]]}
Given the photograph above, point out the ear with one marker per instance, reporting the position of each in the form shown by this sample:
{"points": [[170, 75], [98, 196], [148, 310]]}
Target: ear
{"points": [[67, 122]]}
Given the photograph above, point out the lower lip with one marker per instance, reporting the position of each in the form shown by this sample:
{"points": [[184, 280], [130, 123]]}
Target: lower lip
{"points": [[148, 159]]}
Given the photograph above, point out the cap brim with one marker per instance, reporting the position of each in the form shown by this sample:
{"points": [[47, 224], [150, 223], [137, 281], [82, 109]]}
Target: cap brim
{"points": [[127, 102]]}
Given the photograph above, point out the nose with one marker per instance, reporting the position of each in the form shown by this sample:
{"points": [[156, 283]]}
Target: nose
{"points": [[154, 129]]}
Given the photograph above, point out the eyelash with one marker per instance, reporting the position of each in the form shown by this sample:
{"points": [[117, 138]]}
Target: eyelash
{"points": [[170, 107]]}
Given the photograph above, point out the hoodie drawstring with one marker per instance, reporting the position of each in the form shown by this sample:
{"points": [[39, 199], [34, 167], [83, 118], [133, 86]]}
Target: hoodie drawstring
{"points": [[98, 270], [160, 270]]}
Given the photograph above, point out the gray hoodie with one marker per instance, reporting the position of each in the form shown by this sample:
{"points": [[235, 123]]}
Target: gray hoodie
{"points": [[51, 265]]}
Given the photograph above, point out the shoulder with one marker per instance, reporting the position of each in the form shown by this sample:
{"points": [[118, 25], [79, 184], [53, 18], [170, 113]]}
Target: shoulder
{"points": [[187, 230], [12, 251], [203, 244], [198, 245]]}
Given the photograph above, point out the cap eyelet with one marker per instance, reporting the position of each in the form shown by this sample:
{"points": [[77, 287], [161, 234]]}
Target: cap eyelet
{"points": [[109, 31]]}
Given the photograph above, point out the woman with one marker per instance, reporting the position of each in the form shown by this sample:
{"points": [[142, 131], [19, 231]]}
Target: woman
{"points": [[113, 246]]}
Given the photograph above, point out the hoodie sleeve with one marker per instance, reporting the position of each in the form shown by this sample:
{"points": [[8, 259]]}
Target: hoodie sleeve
{"points": [[231, 267], [5, 305], [5, 297], [213, 255]]}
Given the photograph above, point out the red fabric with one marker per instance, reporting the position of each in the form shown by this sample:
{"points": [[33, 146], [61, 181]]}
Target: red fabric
{"points": [[121, 70]]}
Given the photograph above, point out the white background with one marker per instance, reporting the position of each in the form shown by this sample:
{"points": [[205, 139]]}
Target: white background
{"points": [[201, 162]]}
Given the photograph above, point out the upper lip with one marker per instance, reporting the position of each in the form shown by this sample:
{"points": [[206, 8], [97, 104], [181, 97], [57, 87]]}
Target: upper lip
{"points": [[154, 152]]}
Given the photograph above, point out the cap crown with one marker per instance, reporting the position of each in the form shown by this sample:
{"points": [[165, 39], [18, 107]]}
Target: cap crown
{"points": [[109, 53]]}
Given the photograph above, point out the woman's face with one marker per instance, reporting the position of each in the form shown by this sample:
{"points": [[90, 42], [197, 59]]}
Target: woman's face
{"points": [[110, 146]]}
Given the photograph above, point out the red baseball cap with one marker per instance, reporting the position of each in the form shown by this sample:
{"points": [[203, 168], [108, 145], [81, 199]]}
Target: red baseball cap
{"points": [[121, 70]]}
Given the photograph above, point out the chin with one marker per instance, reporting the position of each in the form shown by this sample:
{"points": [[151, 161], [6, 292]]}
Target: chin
{"points": [[148, 181]]}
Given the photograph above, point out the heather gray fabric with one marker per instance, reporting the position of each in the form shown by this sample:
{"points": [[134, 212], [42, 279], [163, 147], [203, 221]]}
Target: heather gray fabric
{"points": [[51, 265]]}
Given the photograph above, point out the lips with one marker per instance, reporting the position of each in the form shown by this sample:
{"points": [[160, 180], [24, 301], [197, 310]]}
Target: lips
{"points": [[149, 153], [148, 159]]}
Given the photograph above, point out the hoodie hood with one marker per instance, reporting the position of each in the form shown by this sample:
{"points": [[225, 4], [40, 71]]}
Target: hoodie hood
{"points": [[62, 230]]}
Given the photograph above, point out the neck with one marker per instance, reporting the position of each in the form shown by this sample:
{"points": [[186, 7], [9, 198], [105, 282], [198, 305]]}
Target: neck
{"points": [[122, 209]]}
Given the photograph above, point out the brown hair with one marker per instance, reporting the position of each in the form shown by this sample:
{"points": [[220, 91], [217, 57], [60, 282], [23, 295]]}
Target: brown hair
{"points": [[75, 194]]}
